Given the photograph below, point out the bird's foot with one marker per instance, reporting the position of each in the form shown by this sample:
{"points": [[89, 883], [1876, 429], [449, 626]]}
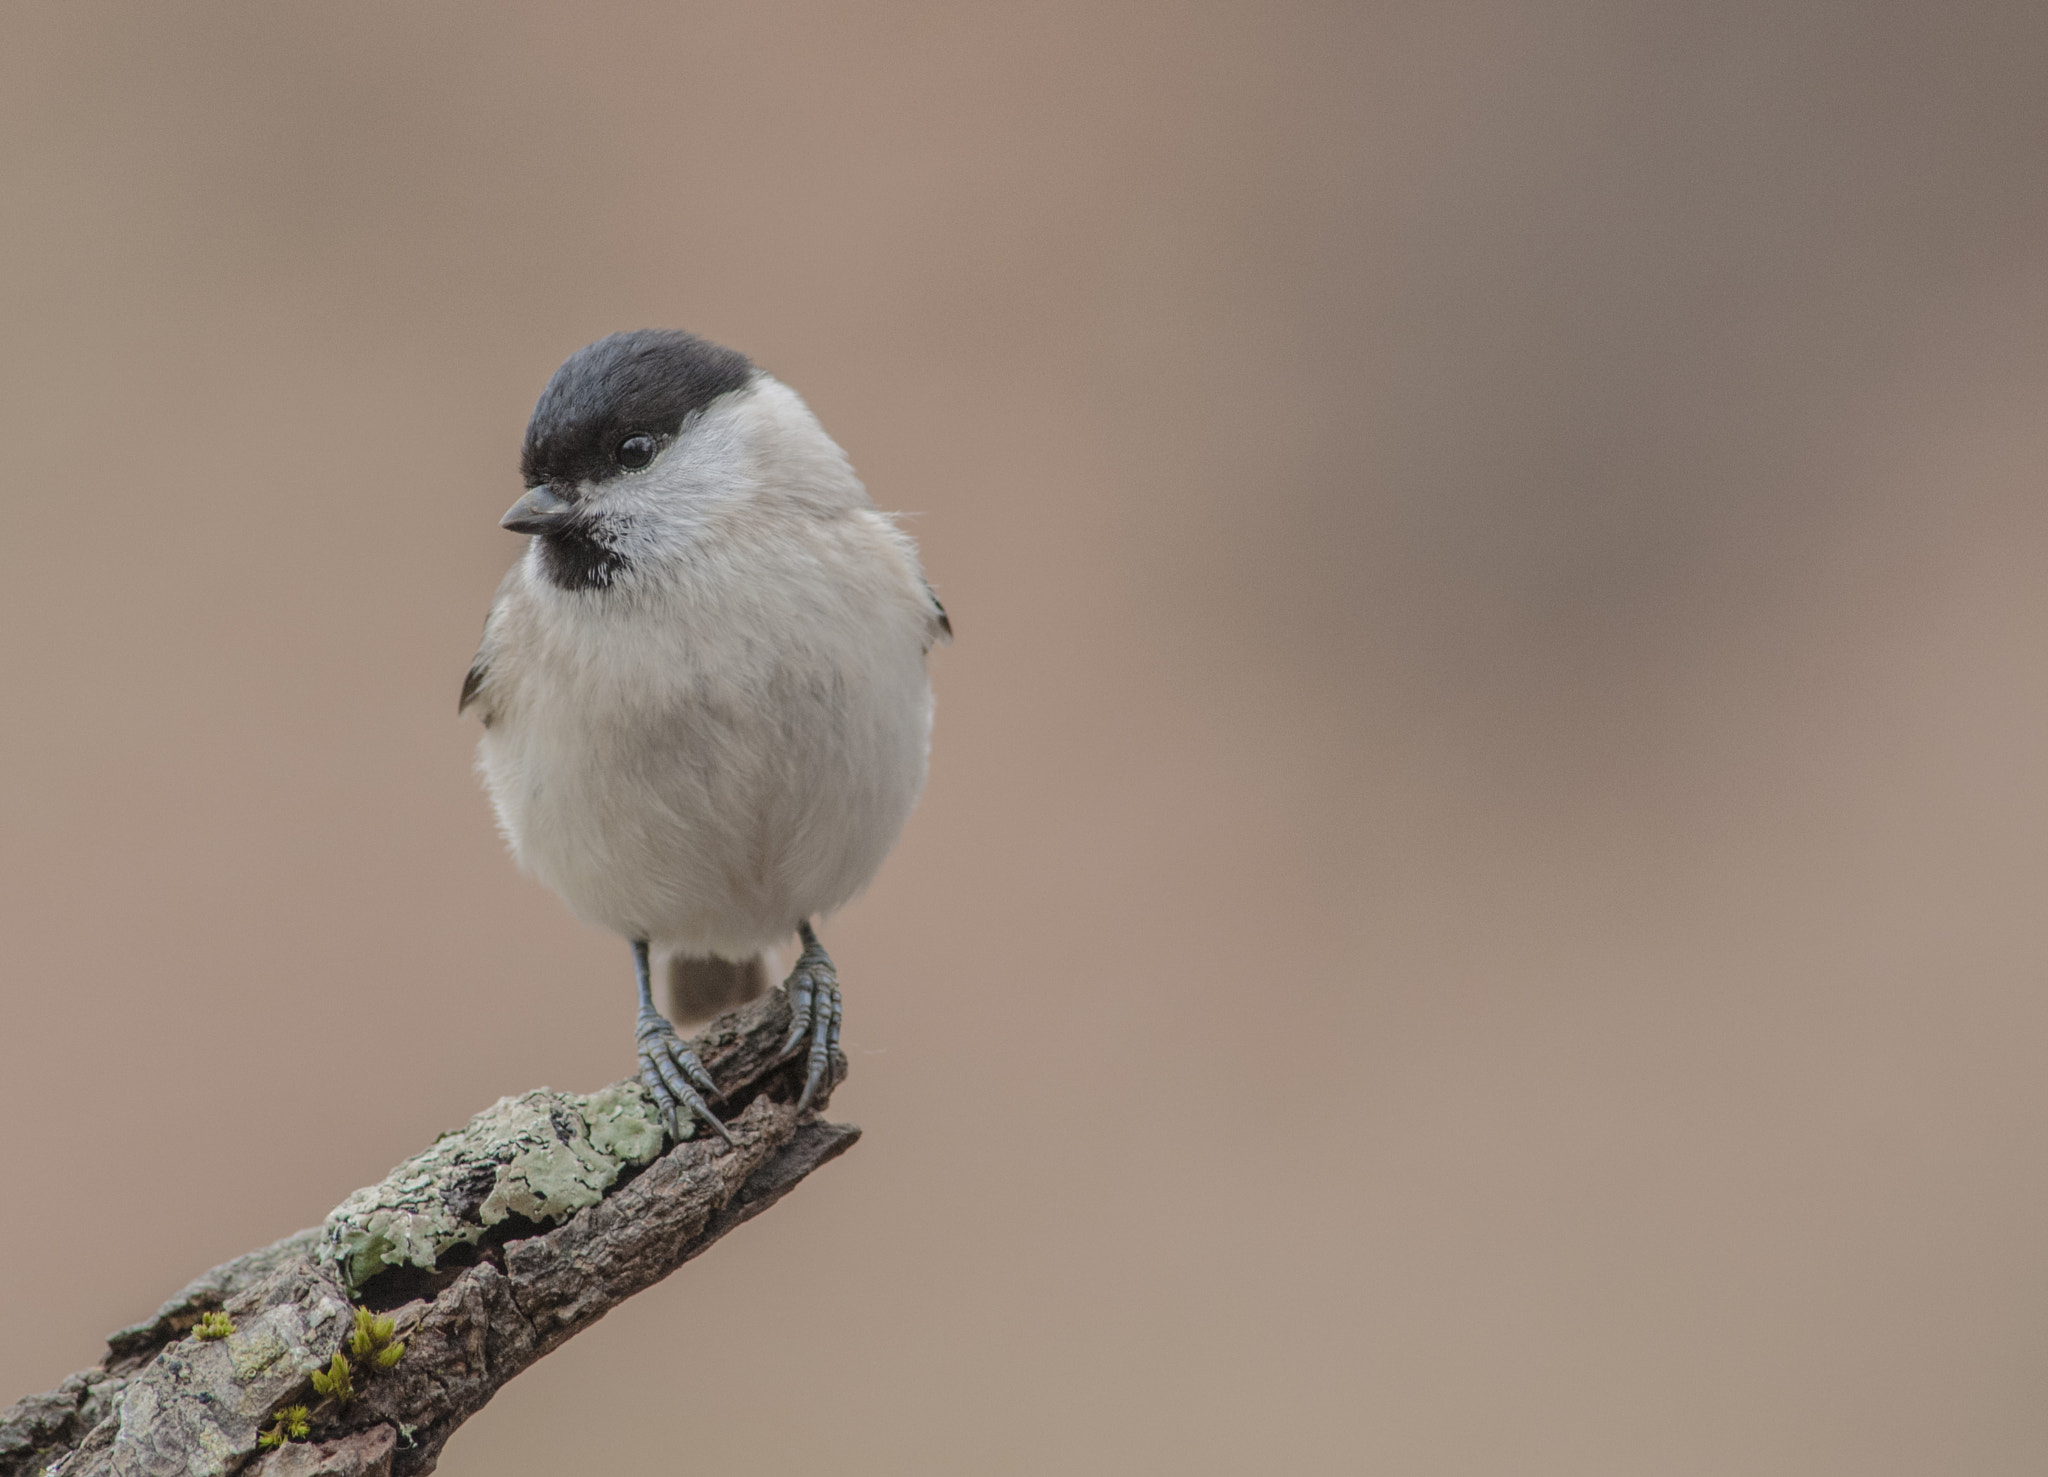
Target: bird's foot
{"points": [[814, 1007], [673, 1074]]}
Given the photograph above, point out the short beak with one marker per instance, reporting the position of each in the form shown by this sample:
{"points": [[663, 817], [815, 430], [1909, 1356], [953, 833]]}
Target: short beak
{"points": [[542, 510]]}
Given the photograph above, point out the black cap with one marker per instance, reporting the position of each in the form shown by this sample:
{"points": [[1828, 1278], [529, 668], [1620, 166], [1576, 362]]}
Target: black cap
{"points": [[640, 383]]}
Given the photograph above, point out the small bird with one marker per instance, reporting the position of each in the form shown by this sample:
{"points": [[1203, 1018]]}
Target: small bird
{"points": [[706, 715]]}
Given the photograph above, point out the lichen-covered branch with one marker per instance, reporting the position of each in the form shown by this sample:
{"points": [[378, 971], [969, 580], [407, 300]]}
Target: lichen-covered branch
{"points": [[472, 1260]]}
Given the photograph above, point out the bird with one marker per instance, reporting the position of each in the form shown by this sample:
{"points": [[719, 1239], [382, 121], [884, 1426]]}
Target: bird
{"points": [[706, 712]]}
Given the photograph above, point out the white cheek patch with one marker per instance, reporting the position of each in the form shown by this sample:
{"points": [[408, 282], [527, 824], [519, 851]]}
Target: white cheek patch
{"points": [[756, 447]]}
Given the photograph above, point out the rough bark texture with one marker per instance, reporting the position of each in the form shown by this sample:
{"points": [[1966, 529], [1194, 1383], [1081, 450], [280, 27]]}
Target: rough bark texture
{"points": [[538, 1219]]}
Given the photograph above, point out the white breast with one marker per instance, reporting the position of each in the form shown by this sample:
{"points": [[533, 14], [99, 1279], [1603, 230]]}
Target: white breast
{"points": [[729, 739]]}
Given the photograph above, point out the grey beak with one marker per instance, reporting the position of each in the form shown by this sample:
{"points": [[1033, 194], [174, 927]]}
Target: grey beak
{"points": [[542, 510]]}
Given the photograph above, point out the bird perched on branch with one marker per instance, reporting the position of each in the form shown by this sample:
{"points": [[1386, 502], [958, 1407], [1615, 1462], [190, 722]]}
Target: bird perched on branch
{"points": [[702, 686]]}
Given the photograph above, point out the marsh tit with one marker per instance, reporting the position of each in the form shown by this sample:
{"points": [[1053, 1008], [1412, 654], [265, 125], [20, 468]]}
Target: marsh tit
{"points": [[703, 684]]}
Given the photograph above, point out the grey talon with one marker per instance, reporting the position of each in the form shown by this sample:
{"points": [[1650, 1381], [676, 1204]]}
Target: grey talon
{"points": [[670, 1070], [800, 992], [815, 1012]]}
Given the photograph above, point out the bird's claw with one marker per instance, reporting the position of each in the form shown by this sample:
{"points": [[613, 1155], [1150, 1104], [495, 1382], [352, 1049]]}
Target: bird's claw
{"points": [[815, 1010], [673, 1074]]}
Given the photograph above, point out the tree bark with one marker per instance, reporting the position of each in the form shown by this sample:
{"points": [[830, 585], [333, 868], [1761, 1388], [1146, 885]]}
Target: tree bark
{"points": [[488, 1251]]}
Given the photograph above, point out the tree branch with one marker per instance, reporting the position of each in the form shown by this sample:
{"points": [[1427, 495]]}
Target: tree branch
{"points": [[487, 1251]]}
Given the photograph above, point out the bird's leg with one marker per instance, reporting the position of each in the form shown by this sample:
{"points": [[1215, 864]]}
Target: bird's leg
{"points": [[814, 1007], [668, 1066]]}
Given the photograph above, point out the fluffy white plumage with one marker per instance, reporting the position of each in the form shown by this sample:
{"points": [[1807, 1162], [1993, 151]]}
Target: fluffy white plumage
{"points": [[725, 739]]}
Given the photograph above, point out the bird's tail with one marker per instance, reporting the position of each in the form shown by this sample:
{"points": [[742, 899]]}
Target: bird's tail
{"points": [[701, 988]]}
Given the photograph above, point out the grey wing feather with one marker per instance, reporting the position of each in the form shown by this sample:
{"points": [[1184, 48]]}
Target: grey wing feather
{"points": [[473, 683], [479, 673], [944, 621]]}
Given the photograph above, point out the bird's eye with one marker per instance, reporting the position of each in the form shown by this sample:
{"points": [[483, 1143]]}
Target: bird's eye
{"points": [[636, 452]]}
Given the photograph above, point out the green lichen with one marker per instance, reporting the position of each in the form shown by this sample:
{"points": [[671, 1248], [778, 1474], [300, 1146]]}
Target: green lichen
{"points": [[293, 1423], [623, 1125], [256, 1351], [542, 1155], [210, 1409], [213, 1326]]}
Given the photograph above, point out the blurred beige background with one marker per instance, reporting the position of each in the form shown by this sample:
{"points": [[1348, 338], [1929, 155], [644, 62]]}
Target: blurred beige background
{"points": [[1479, 908]]}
